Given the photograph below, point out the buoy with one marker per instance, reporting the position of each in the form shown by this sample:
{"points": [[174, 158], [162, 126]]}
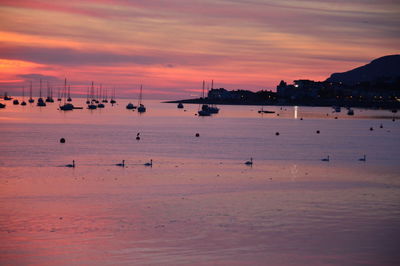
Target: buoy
{"points": [[335, 117], [197, 135], [371, 128], [62, 140], [137, 136], [301, 118], [277, 134], [318, 132], [381, 126]]}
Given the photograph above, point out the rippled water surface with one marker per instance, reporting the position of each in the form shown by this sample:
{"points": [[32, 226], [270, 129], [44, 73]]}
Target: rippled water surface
{"points": [[199, 204]]}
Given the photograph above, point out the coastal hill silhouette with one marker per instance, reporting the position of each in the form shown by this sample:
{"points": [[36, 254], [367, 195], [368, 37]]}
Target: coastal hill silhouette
{"points": [[386, 68], [374, 85]]}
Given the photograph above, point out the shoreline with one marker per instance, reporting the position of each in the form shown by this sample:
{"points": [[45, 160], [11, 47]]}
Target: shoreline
{"points": [[384, 106]]}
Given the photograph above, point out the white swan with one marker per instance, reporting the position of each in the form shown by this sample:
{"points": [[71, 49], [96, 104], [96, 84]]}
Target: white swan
{"points": [[249, 162], [363, 159], [121, 164], [71, 165], [325, 159]]}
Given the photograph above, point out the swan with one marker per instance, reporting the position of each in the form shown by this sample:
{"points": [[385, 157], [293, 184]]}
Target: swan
{"points": [[325, 159], [149, 163], [363, 159], [121, 164], [249, 162], [71, 165]]}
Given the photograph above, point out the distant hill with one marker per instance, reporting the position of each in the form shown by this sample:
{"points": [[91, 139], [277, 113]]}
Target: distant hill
{"points": [[386, 68]]}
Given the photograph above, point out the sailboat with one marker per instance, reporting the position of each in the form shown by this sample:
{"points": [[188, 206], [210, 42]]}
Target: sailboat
{"points": [[87, 96], [23, 96], [204, 108], [91, 105], [105, 96], [59, 95], [213, 109], [350, 111], [99, 104], [262, 111], [6, 97], [112, 101], [40, 101], [130, 106], [141, 107], [49, 98], [31, 100], [66, 106]]}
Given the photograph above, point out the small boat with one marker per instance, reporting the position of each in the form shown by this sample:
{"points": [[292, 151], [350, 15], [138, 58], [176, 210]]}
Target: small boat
{"points": [[100, 105], [141, 108], [350, 111], [205, 108], [204, 113], [67, 107], [213, 109], [180, 105], [262, 111], [92, 106], [2, 105], [16, 102], [6, 97], [337, 109], [41, 103], [130, 106]]}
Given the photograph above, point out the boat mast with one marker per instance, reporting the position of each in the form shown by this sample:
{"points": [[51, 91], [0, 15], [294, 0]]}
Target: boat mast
{"points": [[140, 95], [65, 90], [69, 89], [40, 91], [203, 89], [30, 91]]}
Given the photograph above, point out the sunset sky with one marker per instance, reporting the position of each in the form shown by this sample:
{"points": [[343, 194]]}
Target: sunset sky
{"points": [[170, 46]]}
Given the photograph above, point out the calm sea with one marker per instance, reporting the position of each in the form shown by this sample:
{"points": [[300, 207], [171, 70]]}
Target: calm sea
{"points": [[199, 204]]}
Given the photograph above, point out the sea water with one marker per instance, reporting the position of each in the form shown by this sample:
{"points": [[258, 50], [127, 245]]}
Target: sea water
{"points": [[199, 204]]}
